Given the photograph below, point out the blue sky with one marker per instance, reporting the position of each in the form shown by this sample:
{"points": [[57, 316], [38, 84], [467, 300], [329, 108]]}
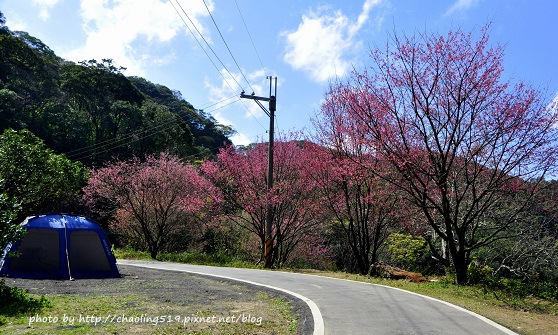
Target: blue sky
{"points": [[303, 43]]}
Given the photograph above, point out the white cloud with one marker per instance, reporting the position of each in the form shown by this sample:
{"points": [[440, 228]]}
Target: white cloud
{"points": [[16, 23], [241, 139], [321, 42], [237, 138], [460, 5], [115, 29], [45, 6]]}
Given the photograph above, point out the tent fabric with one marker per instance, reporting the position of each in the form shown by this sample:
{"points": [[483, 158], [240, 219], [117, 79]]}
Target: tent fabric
{"points": [[60, 247]]}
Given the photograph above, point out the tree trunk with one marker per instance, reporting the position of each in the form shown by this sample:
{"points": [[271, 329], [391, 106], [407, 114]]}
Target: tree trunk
{"points": [[460, 265], [262, 248], [153, 252], [460, 274], [364, 265]]}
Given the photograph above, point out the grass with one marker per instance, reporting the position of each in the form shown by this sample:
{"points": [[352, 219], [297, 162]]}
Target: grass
{"points": [[68, 314], [525, 315]]}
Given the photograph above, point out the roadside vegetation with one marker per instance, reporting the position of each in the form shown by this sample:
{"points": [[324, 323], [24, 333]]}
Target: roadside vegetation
{"points": [[198, 258]]}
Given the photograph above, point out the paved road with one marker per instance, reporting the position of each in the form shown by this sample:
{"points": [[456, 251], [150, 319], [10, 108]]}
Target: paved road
{"points": [[349, 307]]}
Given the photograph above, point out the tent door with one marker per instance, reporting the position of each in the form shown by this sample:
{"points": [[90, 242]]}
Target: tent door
{"points": [[87, 252], [39, 251]]}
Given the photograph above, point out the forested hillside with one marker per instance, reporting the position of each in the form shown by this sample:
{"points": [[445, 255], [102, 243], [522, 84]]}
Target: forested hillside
{"points": [[92, 112]]}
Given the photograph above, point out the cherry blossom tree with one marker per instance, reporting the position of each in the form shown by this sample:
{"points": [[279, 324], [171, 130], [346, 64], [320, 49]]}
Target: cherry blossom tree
{"points": [[155, 203], [241, 177], [361, 205], [456, 135]]}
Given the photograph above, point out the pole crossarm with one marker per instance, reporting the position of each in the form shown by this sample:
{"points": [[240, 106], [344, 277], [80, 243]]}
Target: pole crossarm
{"points": [[263, 107], [253, 97], [257, 99]]}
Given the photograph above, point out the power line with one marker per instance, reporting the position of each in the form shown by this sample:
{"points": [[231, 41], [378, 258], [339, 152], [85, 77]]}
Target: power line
{"points": [[224, 79], [77, 152], [109, 145], [248, 31], [253, 45], [211, 104], [230, 52], [238, 99], [207, 43], [242, 102], [277, 125]]}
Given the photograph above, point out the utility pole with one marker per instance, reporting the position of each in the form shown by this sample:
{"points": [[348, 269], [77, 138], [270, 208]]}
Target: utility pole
{"points": [[271, 113]]}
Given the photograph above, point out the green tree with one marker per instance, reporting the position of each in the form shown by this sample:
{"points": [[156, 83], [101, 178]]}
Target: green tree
{"points": [[406, 251], [163, 130], [202, 128], [9, 105], [9, 228], [532, 249], [92, 89], [3, 28], [34, 176], [30, 70]]}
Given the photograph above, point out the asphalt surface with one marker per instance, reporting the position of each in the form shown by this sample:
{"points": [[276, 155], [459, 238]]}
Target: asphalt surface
{"points": [[348, 307]]}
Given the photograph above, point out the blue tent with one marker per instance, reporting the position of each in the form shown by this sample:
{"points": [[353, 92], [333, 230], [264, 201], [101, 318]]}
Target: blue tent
{"points": [[61, 247]]}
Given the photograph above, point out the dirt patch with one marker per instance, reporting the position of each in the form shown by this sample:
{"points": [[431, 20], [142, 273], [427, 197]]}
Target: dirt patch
{"points": [[176, 291]]}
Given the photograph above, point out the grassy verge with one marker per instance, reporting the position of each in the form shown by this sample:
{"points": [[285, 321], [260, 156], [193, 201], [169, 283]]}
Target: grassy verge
{"points": [[68, 314], [186, 257]]}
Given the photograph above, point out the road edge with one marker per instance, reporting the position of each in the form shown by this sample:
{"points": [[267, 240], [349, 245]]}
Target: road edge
{"points": [[478, 316], [318, 321], [504, 329]]}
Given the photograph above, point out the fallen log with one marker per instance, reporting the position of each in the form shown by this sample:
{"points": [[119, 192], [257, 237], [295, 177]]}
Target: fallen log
{"points": [[383, 270]]}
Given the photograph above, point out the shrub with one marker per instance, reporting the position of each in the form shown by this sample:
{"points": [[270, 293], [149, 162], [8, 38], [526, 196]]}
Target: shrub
{"points": [[14, 301], [411, 253], [481, 274], [536, 286]]}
